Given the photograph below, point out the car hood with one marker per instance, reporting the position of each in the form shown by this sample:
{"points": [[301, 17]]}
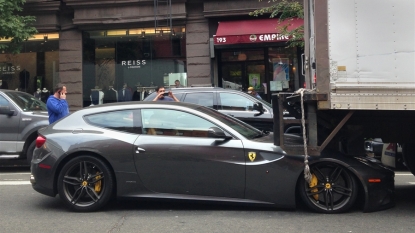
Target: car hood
{"points": [[266, 143], [327, 154], [37, 114], [290, 139]]}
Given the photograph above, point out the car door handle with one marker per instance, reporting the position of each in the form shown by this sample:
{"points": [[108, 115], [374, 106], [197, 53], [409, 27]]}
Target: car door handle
{"points": [[231, 115], [138, 149]]}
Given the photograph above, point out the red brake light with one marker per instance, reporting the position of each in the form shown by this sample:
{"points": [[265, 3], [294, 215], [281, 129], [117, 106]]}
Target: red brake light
{"points": [[40, 140]]}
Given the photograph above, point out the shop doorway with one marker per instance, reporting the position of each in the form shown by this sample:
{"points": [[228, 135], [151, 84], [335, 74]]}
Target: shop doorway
{"points": [[241, 75], [242, 69]]}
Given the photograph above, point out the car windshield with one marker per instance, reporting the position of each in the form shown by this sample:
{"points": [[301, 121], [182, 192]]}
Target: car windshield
{"points": [[26, 102], [244, 129], [265, 102]]}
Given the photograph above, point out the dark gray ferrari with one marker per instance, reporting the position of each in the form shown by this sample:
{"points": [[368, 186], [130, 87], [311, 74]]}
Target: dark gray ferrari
{"points": [[190, 152]]}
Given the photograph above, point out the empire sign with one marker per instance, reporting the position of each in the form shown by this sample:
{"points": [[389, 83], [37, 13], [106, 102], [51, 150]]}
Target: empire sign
{"points": [[252, 38]]}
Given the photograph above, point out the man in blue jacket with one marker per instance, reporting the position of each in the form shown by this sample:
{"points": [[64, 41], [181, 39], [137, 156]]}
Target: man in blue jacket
{"points": [[57, 105]]}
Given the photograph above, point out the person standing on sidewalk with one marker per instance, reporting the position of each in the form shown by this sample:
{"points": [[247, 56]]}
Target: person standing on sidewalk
{"points": [[252, 92], [57, 105], [164, 96]]}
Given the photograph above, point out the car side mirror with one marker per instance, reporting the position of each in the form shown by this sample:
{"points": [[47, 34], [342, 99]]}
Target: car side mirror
{"points": [[258, 107], [215, 132], [5, 110]]}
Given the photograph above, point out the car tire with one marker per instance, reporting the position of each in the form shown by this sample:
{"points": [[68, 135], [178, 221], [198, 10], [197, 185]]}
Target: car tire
{"points": [[333, 189], [29, 152], [85, 184]]}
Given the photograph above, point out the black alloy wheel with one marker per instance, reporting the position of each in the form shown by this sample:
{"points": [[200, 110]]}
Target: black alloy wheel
{"points": [[85, 184], [332, 188]]}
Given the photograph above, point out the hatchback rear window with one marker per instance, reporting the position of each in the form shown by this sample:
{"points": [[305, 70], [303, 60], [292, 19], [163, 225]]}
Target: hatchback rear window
{"points": [[202, 98], [124, 120]]}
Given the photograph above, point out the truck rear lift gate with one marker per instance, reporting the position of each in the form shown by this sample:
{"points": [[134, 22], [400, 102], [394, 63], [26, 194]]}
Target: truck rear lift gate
{"points": [[281, 101]]}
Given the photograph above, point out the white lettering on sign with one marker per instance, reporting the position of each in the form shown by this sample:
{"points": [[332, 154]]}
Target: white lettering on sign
{"points": [[272, 37], [132, 64], [221, 39], [9, 69]]}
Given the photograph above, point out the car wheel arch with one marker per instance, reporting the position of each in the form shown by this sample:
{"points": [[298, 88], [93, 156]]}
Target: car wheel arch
{"points": [[362, 192], [29, 140], [71, 156]]}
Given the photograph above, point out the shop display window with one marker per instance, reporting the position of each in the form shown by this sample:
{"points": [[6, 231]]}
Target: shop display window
{"points": [[267, 70], [35, 69], [283, 69], [128, 64]]}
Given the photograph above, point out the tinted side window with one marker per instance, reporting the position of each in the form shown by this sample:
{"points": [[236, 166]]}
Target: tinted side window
{"points": [[3, 101], [235, 102], [203, 98], [174, 123], [151, 96], [178, 95], [124, 120]]}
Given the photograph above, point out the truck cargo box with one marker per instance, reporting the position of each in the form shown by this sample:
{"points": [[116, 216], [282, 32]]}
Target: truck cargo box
{"points": [[364, 54]]}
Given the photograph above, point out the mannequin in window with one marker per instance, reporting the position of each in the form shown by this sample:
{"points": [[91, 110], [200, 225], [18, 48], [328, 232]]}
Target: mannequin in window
{"points": [[97, 96], [37, 94], [124, 94], [44, 95]]}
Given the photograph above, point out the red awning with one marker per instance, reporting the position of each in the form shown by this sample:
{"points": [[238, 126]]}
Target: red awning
{"points": [[253, 31]]}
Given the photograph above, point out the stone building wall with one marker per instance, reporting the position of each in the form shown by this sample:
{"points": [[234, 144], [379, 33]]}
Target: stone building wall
{"points": [[197, 45]]}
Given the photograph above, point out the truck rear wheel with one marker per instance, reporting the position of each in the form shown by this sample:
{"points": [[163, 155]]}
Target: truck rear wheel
{"points": [[408, 154]]}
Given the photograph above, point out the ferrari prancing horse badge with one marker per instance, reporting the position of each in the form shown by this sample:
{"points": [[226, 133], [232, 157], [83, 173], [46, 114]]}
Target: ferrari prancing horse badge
{"points": [[251, 156]]}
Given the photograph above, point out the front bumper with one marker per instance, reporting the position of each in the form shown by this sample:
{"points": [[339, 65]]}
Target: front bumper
{"points": [[380, 194]]}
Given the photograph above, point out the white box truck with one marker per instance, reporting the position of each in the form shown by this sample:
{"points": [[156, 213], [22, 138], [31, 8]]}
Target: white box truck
{"points": [[359, 60]]}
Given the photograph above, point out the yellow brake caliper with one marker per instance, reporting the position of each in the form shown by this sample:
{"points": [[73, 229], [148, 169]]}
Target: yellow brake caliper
{"points": [[313, 183], [98, 184]]}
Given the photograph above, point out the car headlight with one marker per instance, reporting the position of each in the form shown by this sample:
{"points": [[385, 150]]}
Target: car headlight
{"points": [[369, 146]]}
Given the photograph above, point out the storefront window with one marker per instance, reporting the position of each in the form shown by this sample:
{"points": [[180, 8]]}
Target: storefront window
{"points": [[35, 69], [244, 68], [125, 65], [267, 70], [283, 71]]}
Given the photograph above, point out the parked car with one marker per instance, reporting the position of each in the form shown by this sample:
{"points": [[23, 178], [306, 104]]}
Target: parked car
{"points": [[21, 115], [171, 150], [232, 102], [375, 147]]}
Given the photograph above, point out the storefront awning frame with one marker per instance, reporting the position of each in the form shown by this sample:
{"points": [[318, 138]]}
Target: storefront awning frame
{"points": [[253, 31]]}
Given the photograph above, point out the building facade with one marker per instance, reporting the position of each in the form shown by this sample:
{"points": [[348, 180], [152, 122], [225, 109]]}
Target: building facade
{"points": [[109, 51]]}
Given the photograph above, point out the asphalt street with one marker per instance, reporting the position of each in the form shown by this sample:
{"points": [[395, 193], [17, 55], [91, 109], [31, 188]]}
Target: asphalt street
{"points": [[25, 210]]}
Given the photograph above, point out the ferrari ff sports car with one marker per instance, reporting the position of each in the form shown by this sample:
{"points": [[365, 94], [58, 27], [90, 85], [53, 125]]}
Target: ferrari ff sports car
{"points": [[184, 151]]}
